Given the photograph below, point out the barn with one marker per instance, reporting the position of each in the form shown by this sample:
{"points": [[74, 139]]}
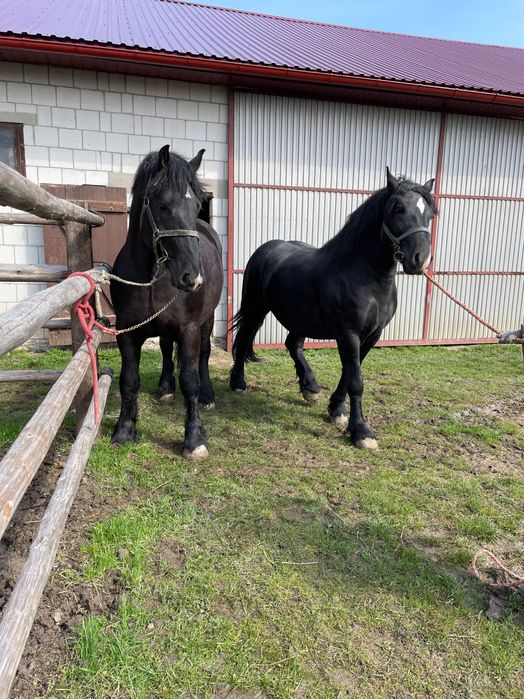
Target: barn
{"points": [[298, 119]]}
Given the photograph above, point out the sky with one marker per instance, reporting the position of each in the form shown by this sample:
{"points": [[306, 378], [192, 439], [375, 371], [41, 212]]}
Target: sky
{"points": [[483, 21]]}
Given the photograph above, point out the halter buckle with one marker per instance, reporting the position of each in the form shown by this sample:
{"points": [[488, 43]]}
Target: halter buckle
{"points": [[398, 255]]}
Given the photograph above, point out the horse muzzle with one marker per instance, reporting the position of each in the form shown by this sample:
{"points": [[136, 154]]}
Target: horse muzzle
{"points": [[188, 283], [415, 266]]}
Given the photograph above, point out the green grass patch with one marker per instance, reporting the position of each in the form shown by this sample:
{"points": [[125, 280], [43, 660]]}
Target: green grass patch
{"points": [[291, 565]]}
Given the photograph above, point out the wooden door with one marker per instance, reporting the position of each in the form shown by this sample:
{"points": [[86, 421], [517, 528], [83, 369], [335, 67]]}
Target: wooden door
{"points": [[106, 240]]}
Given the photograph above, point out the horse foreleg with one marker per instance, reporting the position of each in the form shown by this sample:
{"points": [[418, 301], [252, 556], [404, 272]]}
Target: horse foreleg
{"points": [[167, 382], [206, 397], [351, 382], [130, 349], [306, 378], [195, 438]]}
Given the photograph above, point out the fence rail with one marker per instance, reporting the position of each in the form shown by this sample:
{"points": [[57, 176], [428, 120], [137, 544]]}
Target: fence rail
{"points": [[20, 193], [22, 461]]}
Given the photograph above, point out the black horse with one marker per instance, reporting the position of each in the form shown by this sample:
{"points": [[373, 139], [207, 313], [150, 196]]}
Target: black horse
{"points": [[344, 290], [168, 244]]}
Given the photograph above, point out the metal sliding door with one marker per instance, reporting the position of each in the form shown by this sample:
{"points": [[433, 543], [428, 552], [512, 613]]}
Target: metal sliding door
{"points": [[300, 166]]}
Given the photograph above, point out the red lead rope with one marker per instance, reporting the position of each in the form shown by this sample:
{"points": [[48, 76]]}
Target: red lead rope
{"points": [[86, 317], [462, 305]]}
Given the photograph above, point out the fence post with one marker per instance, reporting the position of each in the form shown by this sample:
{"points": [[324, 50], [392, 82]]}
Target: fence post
{"points": [[79, 259]]}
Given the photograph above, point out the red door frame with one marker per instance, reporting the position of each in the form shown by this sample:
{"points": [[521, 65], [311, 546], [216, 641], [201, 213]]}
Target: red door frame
{"points": [[439, 196]]}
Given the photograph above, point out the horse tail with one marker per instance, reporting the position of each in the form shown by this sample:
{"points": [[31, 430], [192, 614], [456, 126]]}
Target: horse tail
{"points": [[236, 325]]}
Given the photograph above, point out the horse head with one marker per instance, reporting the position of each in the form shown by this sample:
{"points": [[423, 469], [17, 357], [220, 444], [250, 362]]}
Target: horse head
{"points": [[171, 200], [409, 210]]}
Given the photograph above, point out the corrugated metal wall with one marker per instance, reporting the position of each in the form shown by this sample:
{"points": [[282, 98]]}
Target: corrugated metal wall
{"points": [[301, 166]]}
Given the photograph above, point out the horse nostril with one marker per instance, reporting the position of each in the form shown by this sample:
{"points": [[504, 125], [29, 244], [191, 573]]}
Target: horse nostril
{"points": [[197, 282], [186, 279]]}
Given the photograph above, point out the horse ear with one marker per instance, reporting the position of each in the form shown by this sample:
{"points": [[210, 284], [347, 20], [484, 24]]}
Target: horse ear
{"points": [[429, 185], [392, 180], [163, 156], [197, 160]]}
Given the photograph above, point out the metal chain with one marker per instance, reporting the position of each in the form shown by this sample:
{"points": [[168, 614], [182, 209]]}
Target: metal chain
{"points": [[145, 322], [104, 277]]}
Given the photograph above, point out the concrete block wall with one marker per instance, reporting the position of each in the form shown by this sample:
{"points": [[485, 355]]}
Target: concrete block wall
{"points": [[87, 127]]}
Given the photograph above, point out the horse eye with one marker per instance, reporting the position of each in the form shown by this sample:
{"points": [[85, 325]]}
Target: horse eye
{"points": [[399, 209]]}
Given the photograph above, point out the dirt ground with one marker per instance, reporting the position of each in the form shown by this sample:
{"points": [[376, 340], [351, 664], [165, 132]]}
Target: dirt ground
{"points": [[63, 604]]}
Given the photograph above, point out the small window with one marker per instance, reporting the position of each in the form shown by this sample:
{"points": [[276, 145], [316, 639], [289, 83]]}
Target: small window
{"points": [[12, 146]]}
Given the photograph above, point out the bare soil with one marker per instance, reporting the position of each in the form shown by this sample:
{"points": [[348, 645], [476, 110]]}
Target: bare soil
{"points": [[63, 604]]}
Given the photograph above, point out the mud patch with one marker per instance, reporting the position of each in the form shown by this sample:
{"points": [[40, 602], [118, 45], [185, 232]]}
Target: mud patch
{"points": [[172, 554], [220, 358]]}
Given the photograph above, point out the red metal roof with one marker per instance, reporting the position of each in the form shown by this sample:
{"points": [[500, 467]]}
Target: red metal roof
{"points": [[234, 35]]}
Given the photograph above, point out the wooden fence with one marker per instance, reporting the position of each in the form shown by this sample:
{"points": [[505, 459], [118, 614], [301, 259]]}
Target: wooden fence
{"points": [[22, 461]]}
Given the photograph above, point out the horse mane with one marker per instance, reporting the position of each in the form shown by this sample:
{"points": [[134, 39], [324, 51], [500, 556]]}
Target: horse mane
{"points": [[177, 175], [368, 218]]}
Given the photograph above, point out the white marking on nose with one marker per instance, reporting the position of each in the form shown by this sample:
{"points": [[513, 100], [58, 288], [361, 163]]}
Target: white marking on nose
{"points": [[421, 206], [188, 194], [425, 264], [198, 281]]}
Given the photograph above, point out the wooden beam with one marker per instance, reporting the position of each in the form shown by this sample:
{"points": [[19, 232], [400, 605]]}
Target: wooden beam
{"points": [[21, 322], [17, 191], [20, 611], [33, 273], [79, 259], [30, 375], [26, 220], [58, 324], [19, 465]]}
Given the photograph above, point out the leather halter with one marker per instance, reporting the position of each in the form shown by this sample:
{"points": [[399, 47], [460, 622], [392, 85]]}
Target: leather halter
{"points": [[398, 255], [161, 254]]}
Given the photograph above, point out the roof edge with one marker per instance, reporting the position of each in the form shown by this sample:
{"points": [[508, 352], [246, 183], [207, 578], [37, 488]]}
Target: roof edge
{"points": [[335, 25], [242, 68]]}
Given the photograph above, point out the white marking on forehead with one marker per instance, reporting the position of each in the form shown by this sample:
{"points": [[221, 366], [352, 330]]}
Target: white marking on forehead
{"points": [[421, 206], [188, 193]]}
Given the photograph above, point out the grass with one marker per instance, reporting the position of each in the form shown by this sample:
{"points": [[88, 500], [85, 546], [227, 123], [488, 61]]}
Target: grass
{"points": [[291, 565]]}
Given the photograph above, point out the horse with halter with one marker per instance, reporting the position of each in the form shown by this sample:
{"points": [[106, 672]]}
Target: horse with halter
{"points": [[171, 275], [345, 290]]}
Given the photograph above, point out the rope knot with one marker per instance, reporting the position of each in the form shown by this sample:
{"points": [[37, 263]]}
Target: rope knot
{"points": [[86, 317]]}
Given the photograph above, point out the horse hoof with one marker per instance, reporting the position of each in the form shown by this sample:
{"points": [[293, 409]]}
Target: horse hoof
{"points": [[166, 397], [310, 397], [197, 454], [367, 443], [341, 422], [120, 440], [238, 391], [206, 406]]}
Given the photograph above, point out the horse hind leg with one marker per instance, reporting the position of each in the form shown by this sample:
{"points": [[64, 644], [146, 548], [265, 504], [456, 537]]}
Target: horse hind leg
{"points": [[247, 325], [167, 381], [206, 396], [306, 378]]}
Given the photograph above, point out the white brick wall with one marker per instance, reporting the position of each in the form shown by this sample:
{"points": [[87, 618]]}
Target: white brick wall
{"points": [[91, 124]]}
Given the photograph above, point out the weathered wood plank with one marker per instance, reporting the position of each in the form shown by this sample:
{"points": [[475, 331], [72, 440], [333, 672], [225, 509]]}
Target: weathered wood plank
{"points": [[29, 375], [21, 322], [26, 220], [20, 611], [19, 465], [58, 324], [79, 259], [33, 273], [17, 191]]}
